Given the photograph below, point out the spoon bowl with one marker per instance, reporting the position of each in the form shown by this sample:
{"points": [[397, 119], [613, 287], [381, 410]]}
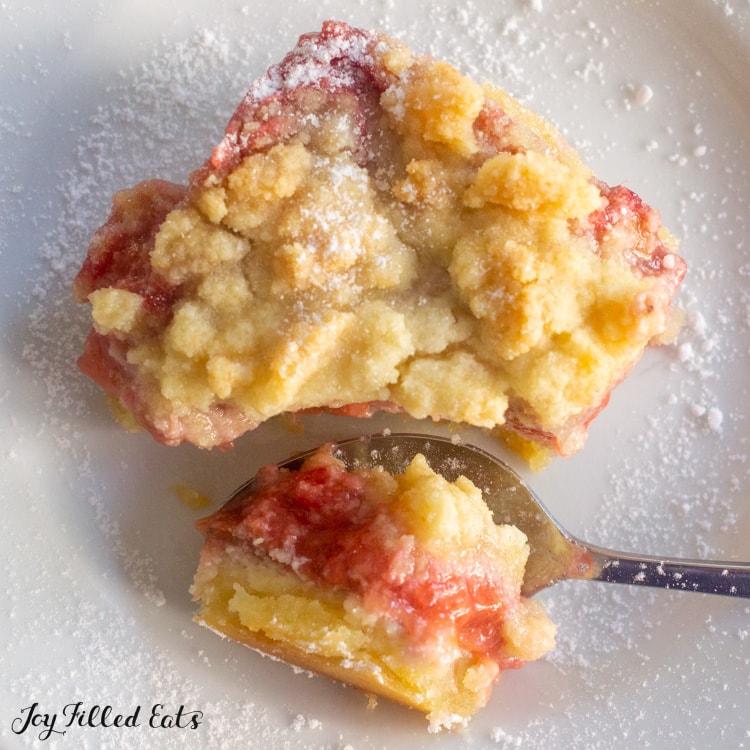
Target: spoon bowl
{"points": [[555, 555]]}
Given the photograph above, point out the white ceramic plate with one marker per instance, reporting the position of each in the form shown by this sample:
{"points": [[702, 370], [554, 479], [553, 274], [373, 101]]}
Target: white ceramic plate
{"points": [[97, 553]]}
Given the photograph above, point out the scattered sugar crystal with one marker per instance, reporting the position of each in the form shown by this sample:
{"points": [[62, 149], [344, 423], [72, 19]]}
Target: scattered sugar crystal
{"points": [[697, 322], [500, 737], [643, 94], [685, 352], [714, 419]]}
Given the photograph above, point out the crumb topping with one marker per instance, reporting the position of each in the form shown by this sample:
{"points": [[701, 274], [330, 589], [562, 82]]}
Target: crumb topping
{"points": [[376, 227]]}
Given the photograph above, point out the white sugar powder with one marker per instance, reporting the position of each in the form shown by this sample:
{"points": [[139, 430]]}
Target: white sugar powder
{"points": [[157, 118]]}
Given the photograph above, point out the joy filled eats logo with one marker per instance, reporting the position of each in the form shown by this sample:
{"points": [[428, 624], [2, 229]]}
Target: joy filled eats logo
{"points": [[33, 719]]}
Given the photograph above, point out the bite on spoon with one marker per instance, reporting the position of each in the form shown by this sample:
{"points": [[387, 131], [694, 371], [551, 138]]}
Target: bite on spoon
{"points": [[404, 564], [398, 582]]}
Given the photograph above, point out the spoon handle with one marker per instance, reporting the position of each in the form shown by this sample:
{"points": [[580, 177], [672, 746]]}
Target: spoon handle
{"points": [[714, 577]]}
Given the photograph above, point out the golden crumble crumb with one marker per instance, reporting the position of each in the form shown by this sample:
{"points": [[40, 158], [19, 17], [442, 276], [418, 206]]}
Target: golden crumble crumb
{"points": [[377, 229]]}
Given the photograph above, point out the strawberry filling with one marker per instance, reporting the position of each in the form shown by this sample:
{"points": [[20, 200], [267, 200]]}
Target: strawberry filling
{"points": [[323, 523]]}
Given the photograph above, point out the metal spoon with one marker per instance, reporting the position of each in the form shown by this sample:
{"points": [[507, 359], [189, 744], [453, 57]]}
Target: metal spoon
{"points": [[555, 554]]}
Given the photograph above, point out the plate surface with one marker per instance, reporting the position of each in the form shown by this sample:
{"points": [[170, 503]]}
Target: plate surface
{"points": [[98, 552]]}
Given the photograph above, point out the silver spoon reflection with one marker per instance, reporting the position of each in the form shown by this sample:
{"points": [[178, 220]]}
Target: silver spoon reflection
{"points": [[555, 554]]}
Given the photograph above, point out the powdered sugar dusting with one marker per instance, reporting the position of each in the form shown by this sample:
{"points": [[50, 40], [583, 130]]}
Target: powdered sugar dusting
{"points": [[312, 61], [102, 591]]}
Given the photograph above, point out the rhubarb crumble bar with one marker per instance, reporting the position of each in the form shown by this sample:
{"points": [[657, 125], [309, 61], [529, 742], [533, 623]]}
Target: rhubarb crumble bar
{"points": [[375, 231], [401, 585]]}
